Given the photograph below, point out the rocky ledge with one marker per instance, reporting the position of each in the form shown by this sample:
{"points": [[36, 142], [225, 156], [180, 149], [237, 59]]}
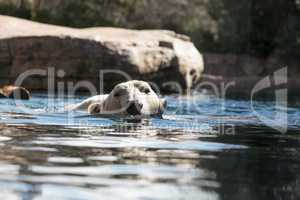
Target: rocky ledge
{"points": [[244, 76], [159, 56]]}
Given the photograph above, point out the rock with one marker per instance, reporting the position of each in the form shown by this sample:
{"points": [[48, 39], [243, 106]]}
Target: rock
{"points": [[2, 96], [242, 73], [157, 56], [14, 92]]}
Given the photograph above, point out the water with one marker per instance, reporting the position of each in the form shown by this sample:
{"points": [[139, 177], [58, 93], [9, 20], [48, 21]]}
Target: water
{"points": [[203, 148]]}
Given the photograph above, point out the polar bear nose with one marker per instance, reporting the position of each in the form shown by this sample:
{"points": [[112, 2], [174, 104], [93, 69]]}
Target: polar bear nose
{"points": [[134, 108]]}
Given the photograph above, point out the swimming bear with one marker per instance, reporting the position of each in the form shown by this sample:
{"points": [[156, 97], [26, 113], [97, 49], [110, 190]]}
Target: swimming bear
{"points": [[128, 98]]}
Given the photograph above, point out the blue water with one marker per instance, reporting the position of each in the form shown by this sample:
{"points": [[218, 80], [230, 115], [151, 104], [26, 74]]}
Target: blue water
{"points": [[203, 148]]}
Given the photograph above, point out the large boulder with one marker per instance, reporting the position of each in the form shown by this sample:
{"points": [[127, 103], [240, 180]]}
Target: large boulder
{"points": [[154, 55]]}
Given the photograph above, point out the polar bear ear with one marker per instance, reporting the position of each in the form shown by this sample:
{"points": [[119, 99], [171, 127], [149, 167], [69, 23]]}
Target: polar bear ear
{"points": [[95, 108]]}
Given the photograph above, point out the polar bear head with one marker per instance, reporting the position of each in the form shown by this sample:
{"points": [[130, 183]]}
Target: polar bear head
{"points": [[130, 98]]}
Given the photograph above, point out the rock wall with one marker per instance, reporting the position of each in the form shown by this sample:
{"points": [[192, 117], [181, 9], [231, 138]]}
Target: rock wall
{"points": [[246, 72]]}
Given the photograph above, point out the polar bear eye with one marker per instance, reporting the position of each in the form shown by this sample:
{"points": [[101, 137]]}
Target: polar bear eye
{"points": [[119, 92], [144, 90], [147, 91]]}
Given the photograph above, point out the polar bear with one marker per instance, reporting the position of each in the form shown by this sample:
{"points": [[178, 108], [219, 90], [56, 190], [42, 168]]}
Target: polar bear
{"points": [[135, 98]]}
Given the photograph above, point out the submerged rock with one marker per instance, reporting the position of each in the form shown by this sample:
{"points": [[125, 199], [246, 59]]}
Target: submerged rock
{"points": [[154, 55], [14, 92]]}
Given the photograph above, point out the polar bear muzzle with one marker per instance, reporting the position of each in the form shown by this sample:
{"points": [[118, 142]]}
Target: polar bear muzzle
{"points": [[134, 108]]}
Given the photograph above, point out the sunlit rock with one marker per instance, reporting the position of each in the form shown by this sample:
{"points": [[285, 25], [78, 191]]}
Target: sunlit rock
{"points": [[159, 56]]}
